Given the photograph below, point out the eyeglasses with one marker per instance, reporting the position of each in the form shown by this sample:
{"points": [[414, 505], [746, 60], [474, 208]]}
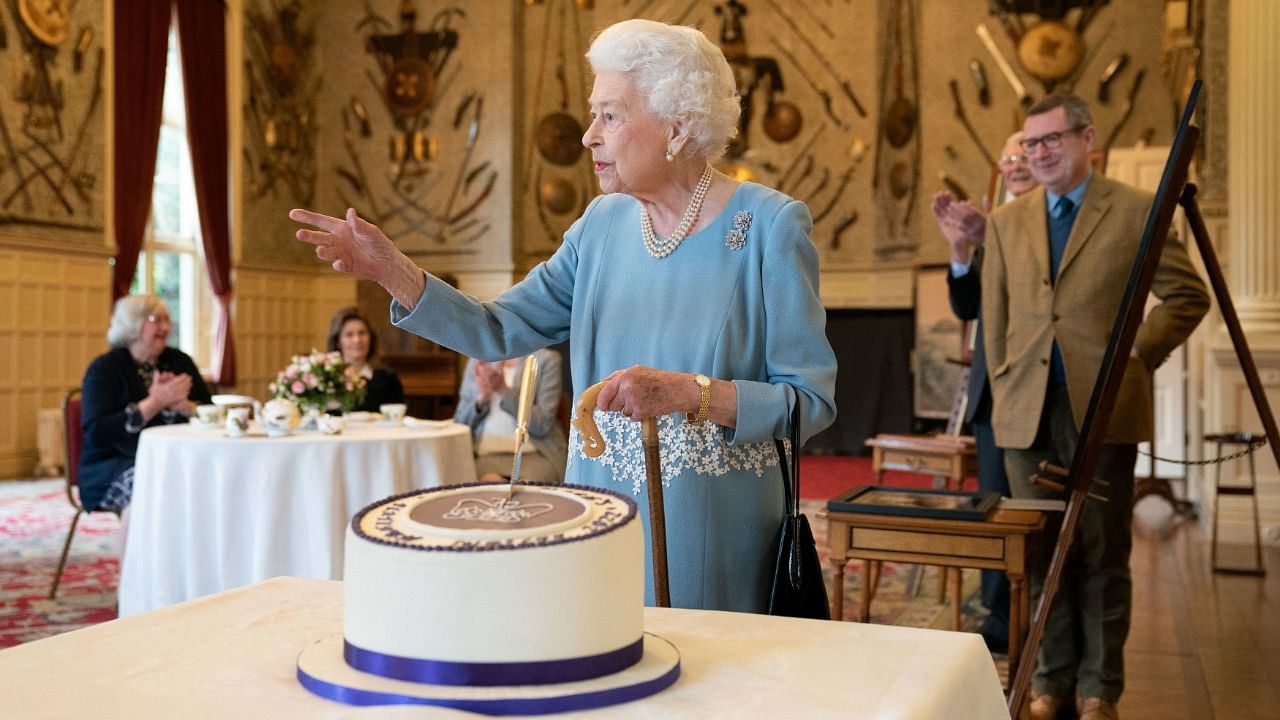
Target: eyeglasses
{"points": [[1051, 141], [1011, 160], [156, 319]]}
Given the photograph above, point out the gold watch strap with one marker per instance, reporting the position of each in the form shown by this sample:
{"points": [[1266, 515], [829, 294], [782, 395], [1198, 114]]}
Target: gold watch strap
{"points": [[704, 405]]}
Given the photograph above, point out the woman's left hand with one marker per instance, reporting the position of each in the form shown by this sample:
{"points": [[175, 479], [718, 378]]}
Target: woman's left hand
{"points": [[642, 392]]}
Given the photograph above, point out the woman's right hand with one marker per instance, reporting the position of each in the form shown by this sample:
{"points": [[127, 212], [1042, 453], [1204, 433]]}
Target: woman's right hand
{"points": [[355, 246]]}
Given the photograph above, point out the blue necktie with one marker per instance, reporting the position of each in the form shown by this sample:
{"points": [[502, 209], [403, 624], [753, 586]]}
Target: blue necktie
{"points": [[1060, 223]]}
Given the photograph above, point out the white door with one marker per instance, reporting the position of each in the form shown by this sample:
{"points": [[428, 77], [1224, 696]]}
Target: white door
{"points": [[1142, 168]]}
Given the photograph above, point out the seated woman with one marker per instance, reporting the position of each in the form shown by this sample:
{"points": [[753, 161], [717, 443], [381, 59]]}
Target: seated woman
{"points": [[140, 382], [489, 400], [351, 335]]}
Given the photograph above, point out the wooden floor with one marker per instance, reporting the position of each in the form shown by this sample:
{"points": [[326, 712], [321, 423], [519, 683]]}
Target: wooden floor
{"points": [[1202, 644]]}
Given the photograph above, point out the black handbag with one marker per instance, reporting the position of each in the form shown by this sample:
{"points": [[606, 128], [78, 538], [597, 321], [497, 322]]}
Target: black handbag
{"points": [[798, 588]]}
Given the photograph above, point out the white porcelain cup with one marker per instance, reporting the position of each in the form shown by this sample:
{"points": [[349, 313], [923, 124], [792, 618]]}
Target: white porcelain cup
{"points": [[331, 424], [210, 414], [237, 424], [393, 412]]}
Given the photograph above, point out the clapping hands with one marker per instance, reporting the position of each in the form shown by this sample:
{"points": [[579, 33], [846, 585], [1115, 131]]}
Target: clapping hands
{"points": [[169, 391], [961, 223], [489, 379]]}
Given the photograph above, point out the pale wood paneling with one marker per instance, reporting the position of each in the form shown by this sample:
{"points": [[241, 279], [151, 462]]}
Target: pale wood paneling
{"points": [[54, 309], [280, 314]]}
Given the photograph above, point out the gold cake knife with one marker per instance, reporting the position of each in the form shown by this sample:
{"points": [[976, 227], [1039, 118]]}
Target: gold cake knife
{"points": [[528, 379]]}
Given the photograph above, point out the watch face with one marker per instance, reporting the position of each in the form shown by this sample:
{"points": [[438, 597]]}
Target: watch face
{"points": [[702, 380]]}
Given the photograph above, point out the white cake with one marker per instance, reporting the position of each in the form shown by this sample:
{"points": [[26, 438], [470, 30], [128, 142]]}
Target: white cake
{"points": [[460, 575], [464, 598]]}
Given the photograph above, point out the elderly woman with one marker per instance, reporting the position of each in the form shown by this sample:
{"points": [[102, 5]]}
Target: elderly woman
{"points": [[693, 296], [140, 382], [351, 335]]}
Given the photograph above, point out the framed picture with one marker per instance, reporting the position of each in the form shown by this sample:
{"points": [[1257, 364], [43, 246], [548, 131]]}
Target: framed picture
{"points": [[881, 500], [939, 346]]}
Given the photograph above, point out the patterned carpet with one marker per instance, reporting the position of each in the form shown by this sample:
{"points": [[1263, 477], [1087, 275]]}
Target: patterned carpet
{"points": [[34, 517]]}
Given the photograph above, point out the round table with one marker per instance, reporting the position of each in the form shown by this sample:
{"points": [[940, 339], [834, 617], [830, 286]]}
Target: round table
{"points": [[210, 512]]}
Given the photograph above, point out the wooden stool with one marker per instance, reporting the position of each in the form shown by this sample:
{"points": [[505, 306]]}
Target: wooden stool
{"points": [[1242, 438], [949, 457]]}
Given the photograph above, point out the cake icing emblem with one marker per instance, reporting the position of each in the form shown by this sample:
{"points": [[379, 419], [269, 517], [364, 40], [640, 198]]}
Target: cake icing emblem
{"points": [[500, 510]]}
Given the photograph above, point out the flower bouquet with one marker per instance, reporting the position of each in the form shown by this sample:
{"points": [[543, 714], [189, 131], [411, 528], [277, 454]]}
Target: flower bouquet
{"points": [[320, 382]]}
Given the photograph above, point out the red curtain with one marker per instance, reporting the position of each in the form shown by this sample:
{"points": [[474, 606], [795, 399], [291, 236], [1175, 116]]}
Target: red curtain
{"points": [[141, 42], [202, 37]]}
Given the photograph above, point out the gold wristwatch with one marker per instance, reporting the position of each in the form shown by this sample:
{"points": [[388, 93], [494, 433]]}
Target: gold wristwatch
{"points": [[704, 385]]}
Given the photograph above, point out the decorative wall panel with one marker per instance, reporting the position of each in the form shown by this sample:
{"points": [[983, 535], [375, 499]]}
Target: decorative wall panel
{"points": [[54, 310]]}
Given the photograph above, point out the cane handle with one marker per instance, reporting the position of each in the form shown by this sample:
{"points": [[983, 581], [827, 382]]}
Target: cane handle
{"points": [[584, 420]]}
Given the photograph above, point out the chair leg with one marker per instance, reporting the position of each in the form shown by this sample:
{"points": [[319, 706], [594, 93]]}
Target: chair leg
{"points": [[66, 548]]}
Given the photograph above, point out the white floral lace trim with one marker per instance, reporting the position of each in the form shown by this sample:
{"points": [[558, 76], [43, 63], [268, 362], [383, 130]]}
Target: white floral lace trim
{"points": [[700, 449]]}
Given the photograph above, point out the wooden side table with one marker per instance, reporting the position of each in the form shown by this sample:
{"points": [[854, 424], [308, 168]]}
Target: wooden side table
{"points": [[951, 457], [997, 543]]}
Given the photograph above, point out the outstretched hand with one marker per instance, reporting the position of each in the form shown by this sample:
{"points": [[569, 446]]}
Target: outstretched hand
{"points": [[351, 245]]}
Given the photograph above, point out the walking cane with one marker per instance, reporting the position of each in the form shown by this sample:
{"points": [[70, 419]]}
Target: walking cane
{"points": [[593, 446]]}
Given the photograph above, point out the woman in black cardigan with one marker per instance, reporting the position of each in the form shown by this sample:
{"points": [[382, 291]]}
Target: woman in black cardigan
{"points": [[139, 383], [351, 335]]}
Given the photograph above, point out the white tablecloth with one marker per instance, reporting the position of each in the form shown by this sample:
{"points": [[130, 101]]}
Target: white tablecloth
{"points": [[233, 655], [210, 513]]}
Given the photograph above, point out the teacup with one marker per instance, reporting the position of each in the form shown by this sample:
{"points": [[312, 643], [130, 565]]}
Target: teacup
{"points": [[393, 413], [210, 414], [330, 424], [237, 421]]}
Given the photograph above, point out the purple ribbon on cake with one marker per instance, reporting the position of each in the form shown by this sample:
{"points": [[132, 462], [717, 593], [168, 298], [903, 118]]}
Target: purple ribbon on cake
{"points": [[494, 706], [475, 674]]}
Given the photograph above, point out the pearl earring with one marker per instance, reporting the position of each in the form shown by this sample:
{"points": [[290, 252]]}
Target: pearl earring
{"points": [[670, 157]]}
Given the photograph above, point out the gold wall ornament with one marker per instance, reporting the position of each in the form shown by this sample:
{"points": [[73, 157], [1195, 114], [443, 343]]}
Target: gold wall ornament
{"points": [[280, 108], [557, 195], [1050, 51], [46, 19]]}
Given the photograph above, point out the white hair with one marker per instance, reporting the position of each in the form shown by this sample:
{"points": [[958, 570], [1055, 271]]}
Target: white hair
{"points": [[128, 315], [679, 73]]}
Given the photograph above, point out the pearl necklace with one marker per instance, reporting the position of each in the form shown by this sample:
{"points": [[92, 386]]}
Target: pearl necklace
{"points": [[660, 247]]}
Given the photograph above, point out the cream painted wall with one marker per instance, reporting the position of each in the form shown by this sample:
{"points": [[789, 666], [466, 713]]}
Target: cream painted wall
{"points": [[54, 307]]}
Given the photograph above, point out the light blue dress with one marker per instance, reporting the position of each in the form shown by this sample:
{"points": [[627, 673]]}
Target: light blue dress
{"points": [[738, 301]]}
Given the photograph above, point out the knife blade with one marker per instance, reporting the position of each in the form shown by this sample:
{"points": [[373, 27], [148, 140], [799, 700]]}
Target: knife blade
{"points": [[528, 379]]}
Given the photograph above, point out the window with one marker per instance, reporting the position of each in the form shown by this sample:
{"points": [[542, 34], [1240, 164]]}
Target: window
{"points": [[171, 264]]}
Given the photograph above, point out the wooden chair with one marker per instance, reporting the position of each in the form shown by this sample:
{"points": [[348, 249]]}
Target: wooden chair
{"points": [[73, 437]]}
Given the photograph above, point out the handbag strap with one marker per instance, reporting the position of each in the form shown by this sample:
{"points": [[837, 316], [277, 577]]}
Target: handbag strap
{"points": [[791, 468]]}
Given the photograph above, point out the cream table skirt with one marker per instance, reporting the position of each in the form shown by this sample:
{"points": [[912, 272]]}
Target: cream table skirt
{"points": [[210, 513], [232, 655]]}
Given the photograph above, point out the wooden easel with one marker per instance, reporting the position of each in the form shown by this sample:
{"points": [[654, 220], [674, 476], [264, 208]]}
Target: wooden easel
{"points": [[1174, 189]]}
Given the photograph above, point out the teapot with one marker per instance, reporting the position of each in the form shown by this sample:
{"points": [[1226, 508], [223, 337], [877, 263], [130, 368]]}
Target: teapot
{"points": [[280, 417]]}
